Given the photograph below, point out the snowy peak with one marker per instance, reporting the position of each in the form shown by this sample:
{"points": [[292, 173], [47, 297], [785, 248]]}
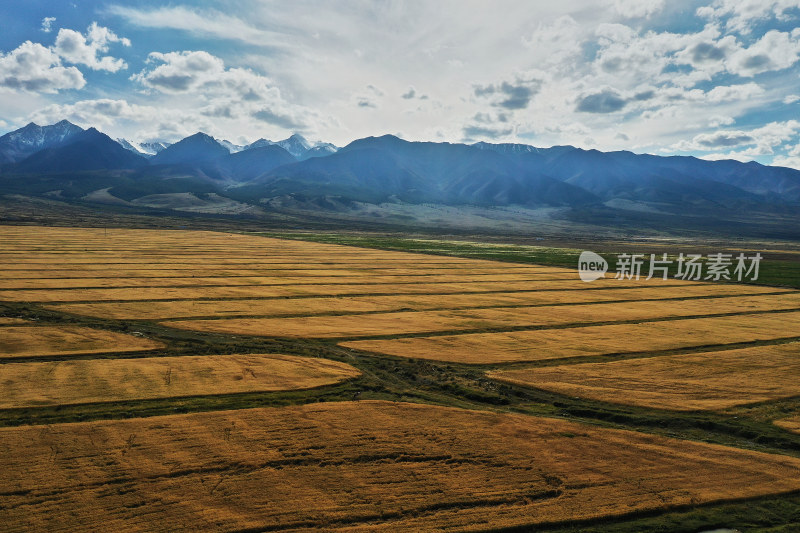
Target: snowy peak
{"points": [[146, 149], [507, 148], [19, 144], [232, 148], [296, 145]]}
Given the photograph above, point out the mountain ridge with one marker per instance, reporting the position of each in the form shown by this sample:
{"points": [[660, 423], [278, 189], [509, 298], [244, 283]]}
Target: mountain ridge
{"points": [[386, 170]]}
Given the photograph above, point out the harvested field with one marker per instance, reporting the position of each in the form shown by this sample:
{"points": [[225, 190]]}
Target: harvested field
{"points": [[265, 280], [792, 423], [492, 348], [274, 291], [472, 319], [34, 341], [708, 380], [415, 302], [10, 321], [109, 380], [386, 466]]}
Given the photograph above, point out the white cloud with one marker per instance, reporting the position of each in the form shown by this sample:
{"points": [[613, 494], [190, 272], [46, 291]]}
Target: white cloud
{"points": [[740, 15], [80, 49], [762, 140], [207, 23], [47, 24], [181, 72], [638, 8], [33, 67], [101, 112], [732, 93], [791, 159], [790, 99], [776, 50], [226, 93]]}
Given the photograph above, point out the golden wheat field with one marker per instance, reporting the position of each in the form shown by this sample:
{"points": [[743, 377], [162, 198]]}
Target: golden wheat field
{"points": [[472, 319], [6, 321], [707, 380], [32, 341], [307, 457], [790, 423], [108, 380], [153, 310], [358, 466], [486, 348]]}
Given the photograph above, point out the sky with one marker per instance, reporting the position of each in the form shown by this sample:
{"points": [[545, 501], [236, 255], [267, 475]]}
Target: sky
{"points": [[717, 79]]}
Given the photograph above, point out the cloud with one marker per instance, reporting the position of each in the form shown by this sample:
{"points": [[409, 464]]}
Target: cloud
{"points": [[491, 125], [733, 93], [411, 93], [723, 139], [763, 140], [706, 52], [605, 101], [206, 23], [100, 112], [512, 95], [80, 49], [35, 68], [368, 98], [790, 99], [638, 8], [181, 72], [776, 50], [791, 159], [280, 119], [741, 15], [225, 93], [47, 24]]}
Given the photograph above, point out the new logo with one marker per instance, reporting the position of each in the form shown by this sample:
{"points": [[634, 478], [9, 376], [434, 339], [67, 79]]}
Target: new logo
{"points": [[591, 266]]}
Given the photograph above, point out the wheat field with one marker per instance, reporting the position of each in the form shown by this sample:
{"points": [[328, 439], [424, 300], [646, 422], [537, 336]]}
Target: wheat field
{"points": [[35, 340], [706, 380], [359, 466], [109, 380], [308, 457]]}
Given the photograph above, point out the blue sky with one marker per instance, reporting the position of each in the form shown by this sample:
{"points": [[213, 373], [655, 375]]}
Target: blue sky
{"points": [[715, 79]]}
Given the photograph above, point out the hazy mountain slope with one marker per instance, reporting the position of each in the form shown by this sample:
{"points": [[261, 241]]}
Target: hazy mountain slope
{"points": [[387, 167], [198, 148]]}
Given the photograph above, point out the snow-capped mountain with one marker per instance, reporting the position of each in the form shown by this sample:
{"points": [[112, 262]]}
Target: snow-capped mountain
{"points": [[146, 149], [19, 144], [232, 148], [507, 148], [298, 146]]}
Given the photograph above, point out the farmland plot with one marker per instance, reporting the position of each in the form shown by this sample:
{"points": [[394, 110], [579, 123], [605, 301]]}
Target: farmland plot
{"points": [[707, 380], [472, 319], [32, 341], [107, 380], [353, 466], [517, 346]]}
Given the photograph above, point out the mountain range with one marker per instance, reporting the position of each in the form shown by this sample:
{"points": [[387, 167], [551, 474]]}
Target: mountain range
{"points": [[87, 165]]}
